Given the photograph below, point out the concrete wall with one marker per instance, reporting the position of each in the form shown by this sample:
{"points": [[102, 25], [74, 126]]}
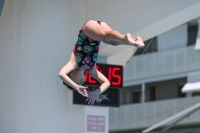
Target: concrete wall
{"points": [[135, 117], [144, 18], [197, 45], [36, 39], [174, 38], [164, 65], [133, 15], [126, 94], [193, 77], [166, 89], [163, 90]]}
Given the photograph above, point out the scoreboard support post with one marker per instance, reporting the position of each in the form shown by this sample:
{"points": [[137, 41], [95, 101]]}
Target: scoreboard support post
{"points": [[95, 118]]}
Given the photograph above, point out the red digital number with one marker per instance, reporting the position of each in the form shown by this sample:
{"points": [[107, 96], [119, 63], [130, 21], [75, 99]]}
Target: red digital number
{"points": [[89, 79], [112, 74]]}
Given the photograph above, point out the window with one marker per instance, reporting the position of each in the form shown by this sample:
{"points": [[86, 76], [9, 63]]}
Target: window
{"points": [[192, 34], [152, 93], [124, 97], [136, 97], [196, 94]]}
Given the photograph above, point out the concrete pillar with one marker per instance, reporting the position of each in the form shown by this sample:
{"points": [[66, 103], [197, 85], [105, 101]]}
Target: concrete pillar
{"points": [[86, 118], [197, 46], [143, 92]]}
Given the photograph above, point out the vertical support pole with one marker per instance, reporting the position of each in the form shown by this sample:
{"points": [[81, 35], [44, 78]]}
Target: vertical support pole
{"points": [[189, 94], [143, 92]]}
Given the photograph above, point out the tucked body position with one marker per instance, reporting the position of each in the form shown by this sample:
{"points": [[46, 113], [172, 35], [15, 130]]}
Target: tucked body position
{"points": [[85, 53]]}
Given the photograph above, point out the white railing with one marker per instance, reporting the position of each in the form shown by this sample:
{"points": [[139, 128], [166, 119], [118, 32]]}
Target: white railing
{"points": [[174, 61], [135, 116]]}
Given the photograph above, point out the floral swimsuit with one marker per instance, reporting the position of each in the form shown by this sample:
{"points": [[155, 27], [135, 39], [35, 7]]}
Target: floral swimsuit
{"points": [[86, 50]]}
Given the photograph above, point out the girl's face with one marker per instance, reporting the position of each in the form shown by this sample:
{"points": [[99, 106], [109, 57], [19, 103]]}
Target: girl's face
{"points": [[78, 77]]}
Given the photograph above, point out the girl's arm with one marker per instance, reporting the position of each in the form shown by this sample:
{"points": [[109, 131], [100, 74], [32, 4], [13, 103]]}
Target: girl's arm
{"points": [[101, 78], [104, 85], [63, 74], [70, 66]]}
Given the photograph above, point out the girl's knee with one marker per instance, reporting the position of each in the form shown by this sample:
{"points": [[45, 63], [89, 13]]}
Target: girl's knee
{"points": [[104, 35]]}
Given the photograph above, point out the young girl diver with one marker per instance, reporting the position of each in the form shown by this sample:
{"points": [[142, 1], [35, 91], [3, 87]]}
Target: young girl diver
{"points": [[85, 53]]}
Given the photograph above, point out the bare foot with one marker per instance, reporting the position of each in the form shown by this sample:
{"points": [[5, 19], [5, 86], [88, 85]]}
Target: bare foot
{"points": [[136, 42], [139, 42]]}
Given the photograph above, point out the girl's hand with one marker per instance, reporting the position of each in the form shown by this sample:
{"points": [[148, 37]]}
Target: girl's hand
{"points": [[92, 97], [82, 90]]}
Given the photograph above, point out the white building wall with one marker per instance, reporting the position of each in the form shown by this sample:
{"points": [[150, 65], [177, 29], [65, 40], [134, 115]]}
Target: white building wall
{"points": [[174, 38], [133, 15], [144, 18], [193, 77], [141, 116], [166, 90], [36, 39], [197, 45], [163, 90], [163, 65]]}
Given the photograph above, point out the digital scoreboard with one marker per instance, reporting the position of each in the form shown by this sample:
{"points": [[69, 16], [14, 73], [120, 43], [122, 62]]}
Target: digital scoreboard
{"points": [[110, 97], [114, 73]]}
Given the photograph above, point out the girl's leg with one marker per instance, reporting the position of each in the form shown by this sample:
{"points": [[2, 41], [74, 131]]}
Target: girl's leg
{"points": [[109, 42], [104, 33]]}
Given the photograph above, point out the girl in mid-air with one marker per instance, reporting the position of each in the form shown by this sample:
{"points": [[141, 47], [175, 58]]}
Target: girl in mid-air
{"points": [[85, 53]]}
